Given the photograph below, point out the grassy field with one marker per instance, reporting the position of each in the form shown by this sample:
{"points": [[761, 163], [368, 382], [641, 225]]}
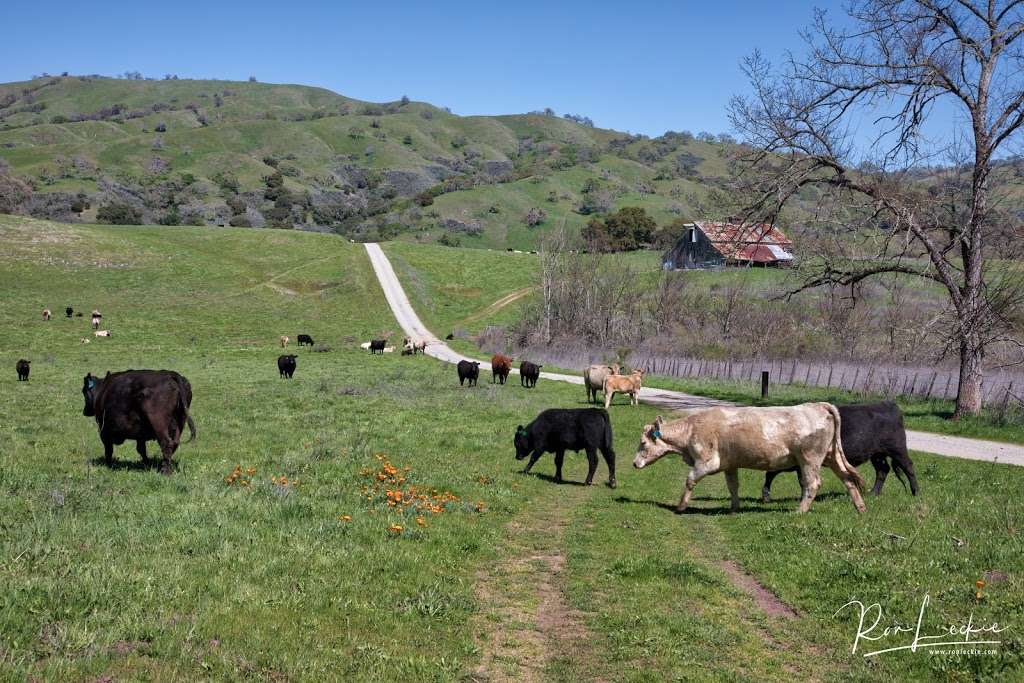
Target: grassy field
{"points": [[125, 574]]}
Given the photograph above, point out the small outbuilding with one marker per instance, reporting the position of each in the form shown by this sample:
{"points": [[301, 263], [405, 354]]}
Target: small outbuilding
{"points": [[712, 245]]}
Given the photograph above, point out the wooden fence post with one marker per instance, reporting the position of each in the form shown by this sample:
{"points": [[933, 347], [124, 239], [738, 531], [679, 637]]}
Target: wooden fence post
{"points": [[764, 384]]}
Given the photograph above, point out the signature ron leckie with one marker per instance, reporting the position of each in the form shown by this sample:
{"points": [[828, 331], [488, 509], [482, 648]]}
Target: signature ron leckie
{"points": [[894, 636]]}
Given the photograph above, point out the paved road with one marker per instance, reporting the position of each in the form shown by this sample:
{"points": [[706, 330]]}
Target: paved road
{"points": [[954, 446]]}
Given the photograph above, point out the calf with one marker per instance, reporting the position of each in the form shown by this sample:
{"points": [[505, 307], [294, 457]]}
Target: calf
{"points": [[377, 345], [469, 370], [286, 365], [727, 439], [69, 311], [528, 374], [870, 431], [501, 365], [102, 333], [558, 430], [417, 346], [284, 339], [46, 314], [142, 405], [594, 377], [22, 366], [623, 384], [305, 340]]}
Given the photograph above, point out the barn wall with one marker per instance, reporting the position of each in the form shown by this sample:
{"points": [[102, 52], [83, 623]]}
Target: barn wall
{"points": [[686, 254]]}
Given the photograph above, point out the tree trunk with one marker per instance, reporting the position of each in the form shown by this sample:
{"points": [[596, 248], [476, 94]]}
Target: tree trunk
{"points": [[968, 395]]}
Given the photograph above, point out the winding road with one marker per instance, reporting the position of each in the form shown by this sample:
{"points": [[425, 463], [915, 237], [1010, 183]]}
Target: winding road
{"points": [[941, 444]]}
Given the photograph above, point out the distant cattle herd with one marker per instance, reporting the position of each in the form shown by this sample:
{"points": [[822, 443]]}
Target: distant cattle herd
{"points": [[154, 405]]}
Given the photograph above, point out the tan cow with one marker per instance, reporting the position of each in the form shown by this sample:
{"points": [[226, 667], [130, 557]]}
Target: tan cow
{"points": [[101, 333], [623, 384], [727, 439], [284, 341], [46, 314], [594, 377], [415, 345]]}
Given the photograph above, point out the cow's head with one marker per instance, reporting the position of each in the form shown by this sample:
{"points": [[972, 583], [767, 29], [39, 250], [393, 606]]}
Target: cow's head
{"points": [[522, 442], [89, 385], [652, 444]]}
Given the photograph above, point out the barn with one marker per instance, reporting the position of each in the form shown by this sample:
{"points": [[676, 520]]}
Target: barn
{"points": [[707, 244]]}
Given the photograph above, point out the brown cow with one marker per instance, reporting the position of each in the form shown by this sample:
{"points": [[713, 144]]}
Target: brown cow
{"points": [[501, 365], [623, 384], [727, 439]]}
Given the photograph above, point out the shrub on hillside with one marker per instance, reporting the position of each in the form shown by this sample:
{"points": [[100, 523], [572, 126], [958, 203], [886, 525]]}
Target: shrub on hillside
{"points": [[535, 216], [425, 198], [240, 221], [14, 193], [118, 214]]}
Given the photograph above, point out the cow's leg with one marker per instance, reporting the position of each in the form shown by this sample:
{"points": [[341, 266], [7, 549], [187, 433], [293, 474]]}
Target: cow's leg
{"points": [[140, 448], [881, 464], [766, 490], [591, 465], [812, 482], [559, 459], [697, 472], [534, 457], [108, 452], [608, 398], [849, 483], [732, 480], [609, 459]]}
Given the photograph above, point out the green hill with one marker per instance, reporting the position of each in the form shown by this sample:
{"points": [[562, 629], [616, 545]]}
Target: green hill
{"points": [[200, 152]]}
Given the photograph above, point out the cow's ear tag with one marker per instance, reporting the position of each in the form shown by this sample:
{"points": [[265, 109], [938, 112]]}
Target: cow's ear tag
{"points": [[656, 434]]}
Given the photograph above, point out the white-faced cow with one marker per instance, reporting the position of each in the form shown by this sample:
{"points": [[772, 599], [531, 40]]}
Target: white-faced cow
{"points": [[46, 314], [728, 439], [142, 405]]}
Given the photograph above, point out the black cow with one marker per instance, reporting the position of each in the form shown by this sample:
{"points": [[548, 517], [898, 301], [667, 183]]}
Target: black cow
{"points": [[144, 405], [558, 430], [468, 370], [286, 365], [305, 340], [868, 431], [22, 366], [528, 373], [450, 336], [69, 311], [377, 345]]}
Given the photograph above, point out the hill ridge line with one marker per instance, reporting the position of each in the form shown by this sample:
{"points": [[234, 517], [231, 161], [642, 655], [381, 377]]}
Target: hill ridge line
{"points": [[405, 315]]}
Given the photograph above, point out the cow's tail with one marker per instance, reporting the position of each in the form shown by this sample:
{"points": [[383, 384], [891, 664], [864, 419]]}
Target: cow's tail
{"points": [[839, 454], [183, 389], [608, 440]]}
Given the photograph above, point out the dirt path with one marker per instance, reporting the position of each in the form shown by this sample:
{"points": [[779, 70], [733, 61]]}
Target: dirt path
{"points": [[953, 446], [497, 305], [526, 625]]}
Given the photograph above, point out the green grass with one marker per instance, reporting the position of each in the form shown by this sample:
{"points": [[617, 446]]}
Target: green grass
{"points": [[127, 574]]}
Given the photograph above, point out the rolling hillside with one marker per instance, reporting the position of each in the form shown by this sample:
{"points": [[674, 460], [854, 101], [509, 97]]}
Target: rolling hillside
{"points": [[200, 152]]}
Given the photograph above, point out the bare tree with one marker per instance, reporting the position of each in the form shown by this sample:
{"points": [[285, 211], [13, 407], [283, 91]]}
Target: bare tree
{"points": [[887, 70]]}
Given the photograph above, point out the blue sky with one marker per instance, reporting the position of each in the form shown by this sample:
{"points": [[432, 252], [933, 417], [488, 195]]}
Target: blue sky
{"points": [[640, 66]]}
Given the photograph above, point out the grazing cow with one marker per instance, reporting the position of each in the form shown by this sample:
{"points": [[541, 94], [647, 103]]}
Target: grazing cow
{"points": [[377, 345], [286, 365], [558, 430], [528, 374], [305, 340], [101, 333], [870, 431], [501, 365], [450, 336], [22, 366], [594, 376], [468, 370], [419, 345], [623, 384], [284, 340], [144, 405], [727, 439], [46, 314], [69, 311]]}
